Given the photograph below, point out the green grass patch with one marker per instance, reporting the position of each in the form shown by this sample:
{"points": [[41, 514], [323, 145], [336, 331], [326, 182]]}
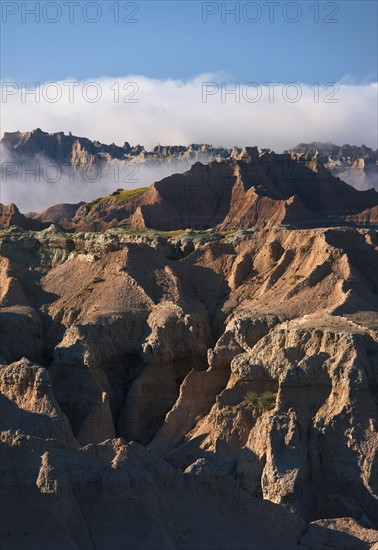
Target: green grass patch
{"points": [[136, 231], [170, 234], [295, 278], [264, 401], [117, 196], [225, 234], [152, 233]]}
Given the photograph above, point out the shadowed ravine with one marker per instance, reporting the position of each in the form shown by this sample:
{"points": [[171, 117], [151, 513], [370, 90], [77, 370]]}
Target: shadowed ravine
{"points": [[185, 367], [140, 410]]}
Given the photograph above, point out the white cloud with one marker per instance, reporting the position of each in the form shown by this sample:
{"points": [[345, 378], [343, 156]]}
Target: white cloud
{"points": [[175, 112], [178, 112]]}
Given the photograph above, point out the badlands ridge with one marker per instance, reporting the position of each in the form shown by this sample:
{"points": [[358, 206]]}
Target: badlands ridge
{"points": [[193, 365]]}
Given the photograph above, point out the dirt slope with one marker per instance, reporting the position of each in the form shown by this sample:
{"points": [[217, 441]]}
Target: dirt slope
{"points": [[208, 392]]}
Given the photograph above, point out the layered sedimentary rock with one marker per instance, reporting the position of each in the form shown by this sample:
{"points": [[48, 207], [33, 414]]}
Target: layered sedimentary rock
{"points": [[199, 390], [256, 189], [58, 214], [238, 188], [366, 217], [358, 166], [82, 153], [193, 364], [10, 215]]}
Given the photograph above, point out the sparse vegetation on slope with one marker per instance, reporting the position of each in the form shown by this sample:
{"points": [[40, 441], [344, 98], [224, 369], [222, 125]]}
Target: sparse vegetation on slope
{"points": [[118, 196], [159, 352], [265, 400]]}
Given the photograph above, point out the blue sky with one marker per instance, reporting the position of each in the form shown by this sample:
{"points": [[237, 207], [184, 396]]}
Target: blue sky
{"points": [[171, 41], [170, 53]]}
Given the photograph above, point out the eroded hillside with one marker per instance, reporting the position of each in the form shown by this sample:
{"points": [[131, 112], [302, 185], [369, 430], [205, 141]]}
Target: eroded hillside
{"points": [[190, 390]]}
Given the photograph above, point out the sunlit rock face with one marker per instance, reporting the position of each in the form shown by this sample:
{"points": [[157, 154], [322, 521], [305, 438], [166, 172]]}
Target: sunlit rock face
{"points": [[225, 376], [192, 364]]}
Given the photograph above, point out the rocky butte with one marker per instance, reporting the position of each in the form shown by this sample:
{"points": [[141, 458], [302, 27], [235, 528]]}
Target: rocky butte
{"points": [[356, 165], [193, 365]]}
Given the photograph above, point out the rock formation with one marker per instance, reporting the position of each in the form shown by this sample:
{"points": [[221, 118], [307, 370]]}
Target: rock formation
{"points": [[10, 215], [200, 389], [356, 165], [82, 153], [61, 214], [256, 189], [192, 365]]}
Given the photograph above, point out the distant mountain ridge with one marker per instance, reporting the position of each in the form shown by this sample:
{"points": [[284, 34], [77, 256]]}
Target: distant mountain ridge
{"points": [[81, 152], [356, 165], [257, 189], [239, 189]]}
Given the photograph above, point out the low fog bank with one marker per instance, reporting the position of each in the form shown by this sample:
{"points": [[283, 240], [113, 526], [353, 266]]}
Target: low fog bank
{"points": [[41, 183], [38, 183], [208, 108]]}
